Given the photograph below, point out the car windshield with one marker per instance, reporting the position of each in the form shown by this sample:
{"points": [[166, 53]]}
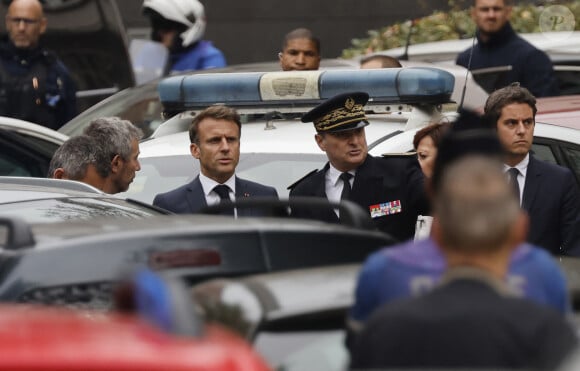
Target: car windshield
{"points": [[162, 174]]}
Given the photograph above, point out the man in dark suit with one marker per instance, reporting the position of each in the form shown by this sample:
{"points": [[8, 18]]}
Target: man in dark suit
{"points": [[471, 320], [390, 190], [546, 191], [215, 142]]}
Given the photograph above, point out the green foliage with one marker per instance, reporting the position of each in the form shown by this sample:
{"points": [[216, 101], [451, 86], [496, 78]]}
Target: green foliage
{"points": [[454, 24]]}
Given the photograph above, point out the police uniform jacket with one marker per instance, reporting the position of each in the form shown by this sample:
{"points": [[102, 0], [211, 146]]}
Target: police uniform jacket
{"points": [[391, 190]]}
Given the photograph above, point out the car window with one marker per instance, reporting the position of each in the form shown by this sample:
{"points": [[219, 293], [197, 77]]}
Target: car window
{"points": [[544, 152], [574, 156], [162, 174], [63, 209]]}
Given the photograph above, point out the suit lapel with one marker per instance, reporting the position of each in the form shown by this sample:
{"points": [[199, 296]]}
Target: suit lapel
{"points": [[532, 184], [195, 197]]}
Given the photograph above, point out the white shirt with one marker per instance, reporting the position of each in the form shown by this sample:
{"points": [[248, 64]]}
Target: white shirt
{"points": [[211, 197], [334, 185], [523, 169]]}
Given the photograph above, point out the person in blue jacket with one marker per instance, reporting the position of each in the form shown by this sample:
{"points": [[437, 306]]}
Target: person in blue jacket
{"points": [[499, 45], [180, 25]]}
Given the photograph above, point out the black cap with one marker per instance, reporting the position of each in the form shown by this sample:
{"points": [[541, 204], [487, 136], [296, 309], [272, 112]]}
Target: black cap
{"points": [[339, 113], [469, 135]]}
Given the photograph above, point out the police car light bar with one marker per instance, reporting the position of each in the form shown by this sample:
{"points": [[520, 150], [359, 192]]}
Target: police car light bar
{"points": [[414, 85]]}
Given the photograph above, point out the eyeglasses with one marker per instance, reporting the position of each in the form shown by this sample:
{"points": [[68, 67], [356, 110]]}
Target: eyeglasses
{"points": [[27, 21]]}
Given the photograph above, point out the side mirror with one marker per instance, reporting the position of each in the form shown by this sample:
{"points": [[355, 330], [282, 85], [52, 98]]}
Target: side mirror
{"points": [[149, 60]]}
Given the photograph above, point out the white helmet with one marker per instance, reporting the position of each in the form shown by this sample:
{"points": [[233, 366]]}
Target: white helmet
{"points": [[187, 12]]}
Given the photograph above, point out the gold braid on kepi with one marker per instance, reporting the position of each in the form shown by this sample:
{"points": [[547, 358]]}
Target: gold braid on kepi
{"points": [[339, 113]]}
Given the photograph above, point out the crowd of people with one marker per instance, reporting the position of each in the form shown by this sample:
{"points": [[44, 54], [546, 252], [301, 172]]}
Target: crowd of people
{"points": [[479, 217]]}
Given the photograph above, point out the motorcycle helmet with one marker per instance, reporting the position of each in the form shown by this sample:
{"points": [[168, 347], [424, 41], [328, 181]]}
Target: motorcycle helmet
{"points": [[186, 16]]}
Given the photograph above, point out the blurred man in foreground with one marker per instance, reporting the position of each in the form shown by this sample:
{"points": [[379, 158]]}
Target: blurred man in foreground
{"points": [[300, 51], [471, 320]]}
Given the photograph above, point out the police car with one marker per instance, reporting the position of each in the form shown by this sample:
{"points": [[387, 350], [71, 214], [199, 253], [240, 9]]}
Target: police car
{"points": [[276, 147]]}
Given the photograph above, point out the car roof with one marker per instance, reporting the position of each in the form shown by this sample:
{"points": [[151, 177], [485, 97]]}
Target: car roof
{"points": [[561, 111], [31, 129], [558, 45]]}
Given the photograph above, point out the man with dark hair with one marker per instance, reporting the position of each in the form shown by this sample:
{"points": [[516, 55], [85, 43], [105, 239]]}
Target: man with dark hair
{"points": [[34, 84], [300, 51], [215, 141], [471, 320], [379, 61], [498, 45], [118, 142], [547, 192], [78, 159], [389, 189]]}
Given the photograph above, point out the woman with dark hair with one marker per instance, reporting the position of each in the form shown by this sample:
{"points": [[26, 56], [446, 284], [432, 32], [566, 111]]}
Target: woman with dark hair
{"points": [[426, 144]]}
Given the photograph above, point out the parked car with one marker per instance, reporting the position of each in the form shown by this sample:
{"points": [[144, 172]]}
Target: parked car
{"points": [[561, 47], [76, 262], [295, 319], [38, 338], [26, 148], [40, 200]]}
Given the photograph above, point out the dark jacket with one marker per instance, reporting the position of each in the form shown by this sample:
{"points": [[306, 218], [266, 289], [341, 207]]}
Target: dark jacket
{"points": [[35, 86], [552, 201], [391, 190], [190, 199], [464, 324], [530, 66]]}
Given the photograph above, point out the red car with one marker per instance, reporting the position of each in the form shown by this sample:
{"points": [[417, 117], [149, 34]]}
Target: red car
{"points": [[38, 338]]}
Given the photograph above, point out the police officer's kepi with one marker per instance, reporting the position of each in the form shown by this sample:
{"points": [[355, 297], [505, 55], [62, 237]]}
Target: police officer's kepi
{"points": [[339, 113]]}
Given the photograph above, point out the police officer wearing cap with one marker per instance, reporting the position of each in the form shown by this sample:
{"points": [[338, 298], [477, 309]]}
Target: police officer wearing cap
{"points": [[389, 189]]}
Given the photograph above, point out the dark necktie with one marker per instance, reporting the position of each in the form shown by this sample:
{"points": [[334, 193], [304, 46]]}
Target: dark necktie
{"points": [[514, 182], [345, 195], [224, 192]]}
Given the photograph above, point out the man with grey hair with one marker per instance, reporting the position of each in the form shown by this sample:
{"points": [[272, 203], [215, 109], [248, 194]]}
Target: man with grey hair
{"points": [[118, 141], [471, 320], [78, 159]]}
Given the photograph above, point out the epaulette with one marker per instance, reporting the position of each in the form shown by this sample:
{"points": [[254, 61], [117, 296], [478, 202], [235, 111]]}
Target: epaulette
{"points": [[291, 186]]}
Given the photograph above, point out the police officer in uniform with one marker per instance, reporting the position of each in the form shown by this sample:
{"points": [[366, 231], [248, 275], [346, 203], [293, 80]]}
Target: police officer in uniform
{"points": [[34, 85], [389, 189]]}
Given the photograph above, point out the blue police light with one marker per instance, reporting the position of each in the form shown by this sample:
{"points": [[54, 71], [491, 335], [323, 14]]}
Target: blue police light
{"points": [[299, 88]]}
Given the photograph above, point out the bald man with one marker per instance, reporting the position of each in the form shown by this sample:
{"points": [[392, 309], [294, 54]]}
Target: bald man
{"points": [[34, 84]]}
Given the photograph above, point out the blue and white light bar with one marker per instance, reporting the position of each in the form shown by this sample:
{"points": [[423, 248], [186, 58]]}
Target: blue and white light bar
{"points": [[295, 88]]}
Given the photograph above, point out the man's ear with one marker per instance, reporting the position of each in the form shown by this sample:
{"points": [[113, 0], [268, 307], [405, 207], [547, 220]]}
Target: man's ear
{"points": [[59, 173], [194, 149], [43, 25], [116, 164], [320, 141]]}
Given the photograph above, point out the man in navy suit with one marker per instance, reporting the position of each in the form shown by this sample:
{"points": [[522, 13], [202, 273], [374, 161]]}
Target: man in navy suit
{"points": [[215, 141], [546, 191]]}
